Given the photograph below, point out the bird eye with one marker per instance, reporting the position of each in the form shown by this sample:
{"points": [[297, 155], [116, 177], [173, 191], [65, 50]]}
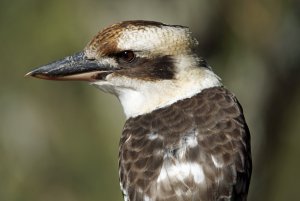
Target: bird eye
{"points": [[127, 56]]}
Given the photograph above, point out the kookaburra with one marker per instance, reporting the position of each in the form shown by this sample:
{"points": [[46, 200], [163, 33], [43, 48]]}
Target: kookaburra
{"points": [[185, 136]]}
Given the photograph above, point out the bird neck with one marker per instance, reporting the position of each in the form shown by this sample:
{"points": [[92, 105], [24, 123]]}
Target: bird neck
{"points": [[150, 96]]}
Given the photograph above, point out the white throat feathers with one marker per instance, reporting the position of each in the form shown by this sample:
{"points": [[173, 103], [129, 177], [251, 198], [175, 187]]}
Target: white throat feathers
{"points": [[139, 97]]}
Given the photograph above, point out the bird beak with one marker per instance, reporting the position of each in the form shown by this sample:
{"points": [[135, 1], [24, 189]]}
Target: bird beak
{"points": [[75, 67]]}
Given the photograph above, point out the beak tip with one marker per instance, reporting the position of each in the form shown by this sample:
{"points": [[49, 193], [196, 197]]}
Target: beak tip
{"points": [[28, 74], [35, 74]]}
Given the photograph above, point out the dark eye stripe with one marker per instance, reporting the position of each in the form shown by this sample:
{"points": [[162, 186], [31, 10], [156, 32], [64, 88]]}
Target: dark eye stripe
{"points": [[159, 68]]}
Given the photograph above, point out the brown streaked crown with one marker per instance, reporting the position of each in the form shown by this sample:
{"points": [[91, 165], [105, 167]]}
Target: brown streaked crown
{"points": [[105, 42]]}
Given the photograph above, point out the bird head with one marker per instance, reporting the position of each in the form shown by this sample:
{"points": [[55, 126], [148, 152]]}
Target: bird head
{"points": [[146, 64]]}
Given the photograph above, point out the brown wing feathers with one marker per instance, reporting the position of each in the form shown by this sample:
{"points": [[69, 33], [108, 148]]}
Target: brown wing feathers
{"points": [[152, 140]]}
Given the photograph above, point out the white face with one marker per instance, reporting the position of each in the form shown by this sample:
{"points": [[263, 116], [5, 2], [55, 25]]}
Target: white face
{"points": [[141, 96], [155, 40], [137, 91]]}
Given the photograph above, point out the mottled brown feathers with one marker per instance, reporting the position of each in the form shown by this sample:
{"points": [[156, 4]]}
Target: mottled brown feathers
{"points": [[149, 142], [105, 43]]}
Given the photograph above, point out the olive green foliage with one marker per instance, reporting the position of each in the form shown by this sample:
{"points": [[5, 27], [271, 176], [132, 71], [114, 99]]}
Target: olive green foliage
{"points": [[59, 140]]}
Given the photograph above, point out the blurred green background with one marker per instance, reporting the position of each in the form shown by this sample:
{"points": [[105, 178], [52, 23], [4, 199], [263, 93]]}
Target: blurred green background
{"points": [[59, 140]]}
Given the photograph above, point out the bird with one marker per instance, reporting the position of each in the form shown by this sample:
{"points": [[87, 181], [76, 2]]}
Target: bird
{"points": [[185, 137]]}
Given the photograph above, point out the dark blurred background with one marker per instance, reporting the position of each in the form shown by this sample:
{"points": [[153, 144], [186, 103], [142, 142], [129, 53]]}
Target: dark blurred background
{"points": [[59, 140]]}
